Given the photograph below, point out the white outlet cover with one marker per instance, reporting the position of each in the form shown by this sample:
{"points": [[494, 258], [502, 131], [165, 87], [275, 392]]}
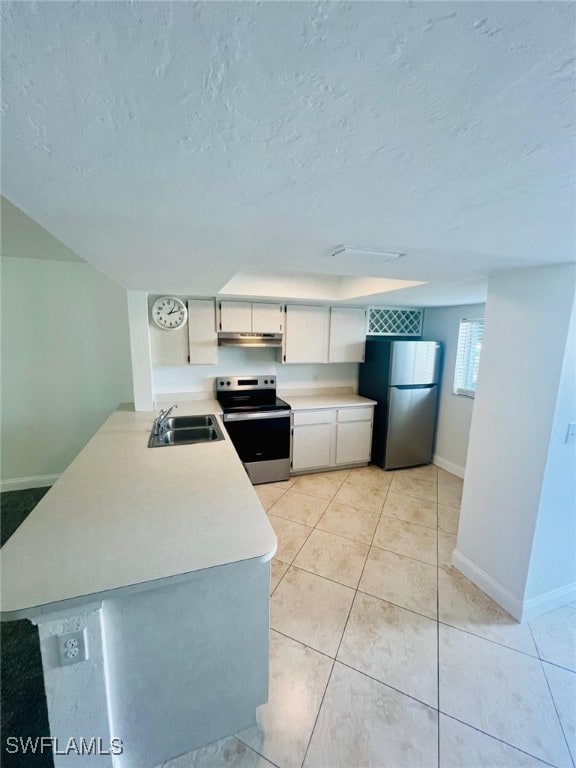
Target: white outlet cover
{"points": [[72, 647]]}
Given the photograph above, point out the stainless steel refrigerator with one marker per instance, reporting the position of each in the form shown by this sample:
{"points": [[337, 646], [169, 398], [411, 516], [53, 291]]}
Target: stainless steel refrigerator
{"points": [[402, 376]]}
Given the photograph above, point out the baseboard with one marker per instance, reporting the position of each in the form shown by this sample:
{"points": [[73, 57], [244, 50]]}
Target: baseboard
{"points": [[487, 584], [556, 598], [449, 466], [22, 483]]}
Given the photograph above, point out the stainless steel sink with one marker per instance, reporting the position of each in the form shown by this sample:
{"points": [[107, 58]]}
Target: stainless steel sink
{"points": [[186, 430], [182, 422]]}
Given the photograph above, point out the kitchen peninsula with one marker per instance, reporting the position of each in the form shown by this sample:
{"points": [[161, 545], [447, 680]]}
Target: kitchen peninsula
{"points": [[160, 559]]}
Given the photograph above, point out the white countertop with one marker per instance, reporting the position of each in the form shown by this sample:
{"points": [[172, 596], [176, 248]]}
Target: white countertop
{"points": [[310, 402], [124, 515]]}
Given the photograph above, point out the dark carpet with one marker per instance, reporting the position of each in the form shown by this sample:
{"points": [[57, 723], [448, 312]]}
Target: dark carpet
{"points": [[24, 712]]}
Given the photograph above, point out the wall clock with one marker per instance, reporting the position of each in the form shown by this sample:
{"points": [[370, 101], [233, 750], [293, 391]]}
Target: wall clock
{"points": [[169, 313]]}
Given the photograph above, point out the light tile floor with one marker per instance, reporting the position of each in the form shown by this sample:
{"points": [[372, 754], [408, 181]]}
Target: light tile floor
{"points": [[382, 655]]}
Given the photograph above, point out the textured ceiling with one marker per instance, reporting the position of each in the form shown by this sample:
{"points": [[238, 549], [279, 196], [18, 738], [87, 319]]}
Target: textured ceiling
{"points": [[174, 145]]}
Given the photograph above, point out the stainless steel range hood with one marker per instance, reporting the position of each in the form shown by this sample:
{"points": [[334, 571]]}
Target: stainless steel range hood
{"points": [[250, 339]]}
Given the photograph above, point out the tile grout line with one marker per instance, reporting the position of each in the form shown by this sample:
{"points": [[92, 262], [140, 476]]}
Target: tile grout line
{"points": [[408, 557], [438, 623], [552, 697], [318, 713], [343, 630], [403, 607], [490, 735], [359, 541], [356, 590], [266, 512], [312, 528], [379, 515], [410, 522], [329, 676], [489, 640], [497, 738], [386, 685], [375, 679], [555, 664], [237, 738]]}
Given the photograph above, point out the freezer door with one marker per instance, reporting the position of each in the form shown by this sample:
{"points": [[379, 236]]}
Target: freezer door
{"points": [[410, 432], [414, 362]]}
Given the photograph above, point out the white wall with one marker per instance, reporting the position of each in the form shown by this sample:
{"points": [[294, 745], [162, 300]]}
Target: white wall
{"points": [[525, 334], [454, 411], [233, 361], [553, 560], [65, 364]]}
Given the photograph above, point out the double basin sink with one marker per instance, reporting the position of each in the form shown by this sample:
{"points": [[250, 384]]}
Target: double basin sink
{"points": [[185, 430]]}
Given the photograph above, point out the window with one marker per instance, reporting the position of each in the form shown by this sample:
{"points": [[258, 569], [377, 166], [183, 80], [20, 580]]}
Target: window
{"points": [[468, 357]]}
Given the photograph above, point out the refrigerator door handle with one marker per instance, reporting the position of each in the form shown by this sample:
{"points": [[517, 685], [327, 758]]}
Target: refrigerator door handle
{"points": [[413, 386]]}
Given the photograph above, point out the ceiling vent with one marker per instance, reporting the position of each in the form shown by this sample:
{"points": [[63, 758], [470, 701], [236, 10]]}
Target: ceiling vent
{"points": [[375, 254]]}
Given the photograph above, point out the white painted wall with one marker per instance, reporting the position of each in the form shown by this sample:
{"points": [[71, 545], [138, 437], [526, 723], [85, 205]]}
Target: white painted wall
{"points": [[454, 411], [525, 334], [140, 350], [553, 559], [65, 364], [233, 361]]}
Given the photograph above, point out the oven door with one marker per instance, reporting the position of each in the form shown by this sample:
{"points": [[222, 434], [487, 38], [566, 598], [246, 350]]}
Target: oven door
{"points": [[262, 441], [259, 436]]}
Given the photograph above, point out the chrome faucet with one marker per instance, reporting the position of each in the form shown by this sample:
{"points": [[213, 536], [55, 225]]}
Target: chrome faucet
{"points": [[161, 418]]}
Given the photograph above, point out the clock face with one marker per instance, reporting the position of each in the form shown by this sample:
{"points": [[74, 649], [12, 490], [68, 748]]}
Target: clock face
{"points": [[169, 313]]}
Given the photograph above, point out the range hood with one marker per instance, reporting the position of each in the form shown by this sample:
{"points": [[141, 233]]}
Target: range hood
{"points": [[250, 339]]}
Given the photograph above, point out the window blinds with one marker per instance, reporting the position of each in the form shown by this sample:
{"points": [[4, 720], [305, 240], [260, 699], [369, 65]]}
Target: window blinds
{"points": [[468, 357]]}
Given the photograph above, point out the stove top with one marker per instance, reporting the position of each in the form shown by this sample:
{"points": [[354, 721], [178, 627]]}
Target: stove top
{"points": [[242, 394], [233, 407]]}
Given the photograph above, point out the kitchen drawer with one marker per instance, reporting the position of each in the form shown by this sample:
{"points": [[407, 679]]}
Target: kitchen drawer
{"points": [[356, 414], [321, 416]]}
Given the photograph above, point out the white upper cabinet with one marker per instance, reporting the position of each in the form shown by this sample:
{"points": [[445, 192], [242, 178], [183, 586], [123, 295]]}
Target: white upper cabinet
{"points": [[306, 335], [236, 316], [324, 334], [267, 318], [202, 336], [347, 335], [248, 317]]}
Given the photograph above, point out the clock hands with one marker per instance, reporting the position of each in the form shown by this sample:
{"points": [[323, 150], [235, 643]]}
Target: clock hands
{"points": [[164, 308]]}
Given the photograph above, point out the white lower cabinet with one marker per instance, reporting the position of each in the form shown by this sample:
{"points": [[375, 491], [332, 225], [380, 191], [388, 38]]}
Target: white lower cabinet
{"points": [[330, 437], [353, 442], [311, 446], [312, 438]]}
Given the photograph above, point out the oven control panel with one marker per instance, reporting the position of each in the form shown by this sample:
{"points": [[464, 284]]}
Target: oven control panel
{"points": [[240, 383]]}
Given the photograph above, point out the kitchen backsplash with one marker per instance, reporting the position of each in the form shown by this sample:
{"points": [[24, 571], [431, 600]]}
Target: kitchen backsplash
{"points": [[237, 362]]}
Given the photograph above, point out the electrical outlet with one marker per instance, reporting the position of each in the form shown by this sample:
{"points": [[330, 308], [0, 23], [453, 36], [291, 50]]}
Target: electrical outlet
{"points": [[72, 647], [571, 432]]}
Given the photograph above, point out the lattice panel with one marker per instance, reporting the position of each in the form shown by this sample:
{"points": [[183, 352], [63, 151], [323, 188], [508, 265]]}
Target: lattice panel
{"points": [[397, 321]]}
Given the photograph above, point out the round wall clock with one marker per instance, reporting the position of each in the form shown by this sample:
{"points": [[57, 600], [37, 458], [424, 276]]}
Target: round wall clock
{"points": [[169, 313]]}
